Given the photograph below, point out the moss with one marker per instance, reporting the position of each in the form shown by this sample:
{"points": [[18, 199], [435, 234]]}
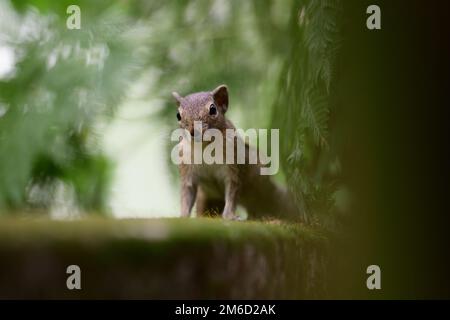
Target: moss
{"points": [[161, 258]]}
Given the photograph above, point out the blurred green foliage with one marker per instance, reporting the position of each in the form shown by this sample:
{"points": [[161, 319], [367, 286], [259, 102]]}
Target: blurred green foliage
{"points": [[277, 57], [306, 90], [62, 83]]}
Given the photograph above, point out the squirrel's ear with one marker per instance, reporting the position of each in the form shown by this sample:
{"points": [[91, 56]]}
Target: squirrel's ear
{"points": [[177, 97], [220, 95]]}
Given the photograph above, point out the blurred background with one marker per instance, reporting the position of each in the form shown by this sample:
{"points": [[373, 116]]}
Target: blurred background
{"points": [[86, 115]]}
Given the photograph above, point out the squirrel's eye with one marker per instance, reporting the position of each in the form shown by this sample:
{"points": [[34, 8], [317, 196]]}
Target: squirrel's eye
{"points": [[178, 116], [212, 109]]}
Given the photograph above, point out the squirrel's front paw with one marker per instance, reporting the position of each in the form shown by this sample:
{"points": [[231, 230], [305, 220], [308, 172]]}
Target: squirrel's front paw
{"points": [[231, 216]]}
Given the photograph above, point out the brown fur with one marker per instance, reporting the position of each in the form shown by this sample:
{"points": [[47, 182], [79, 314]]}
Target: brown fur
{"points": [[219, 188]]}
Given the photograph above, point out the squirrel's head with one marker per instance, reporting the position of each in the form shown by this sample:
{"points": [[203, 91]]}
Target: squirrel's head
{"points": [[207, 107]]}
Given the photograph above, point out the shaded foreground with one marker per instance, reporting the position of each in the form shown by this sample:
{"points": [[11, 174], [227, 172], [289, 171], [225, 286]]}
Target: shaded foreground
{"points": [[161, 258]]}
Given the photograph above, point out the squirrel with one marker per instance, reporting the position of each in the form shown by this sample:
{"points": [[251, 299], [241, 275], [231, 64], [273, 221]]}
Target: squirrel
{"points": [[219, 188]]}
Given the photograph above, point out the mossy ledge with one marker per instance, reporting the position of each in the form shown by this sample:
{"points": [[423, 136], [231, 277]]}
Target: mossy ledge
{"points": [[162, 258]]}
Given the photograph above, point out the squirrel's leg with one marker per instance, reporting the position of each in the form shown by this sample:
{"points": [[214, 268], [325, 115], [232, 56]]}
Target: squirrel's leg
{"points": [[188, 193], [231, 192]]}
